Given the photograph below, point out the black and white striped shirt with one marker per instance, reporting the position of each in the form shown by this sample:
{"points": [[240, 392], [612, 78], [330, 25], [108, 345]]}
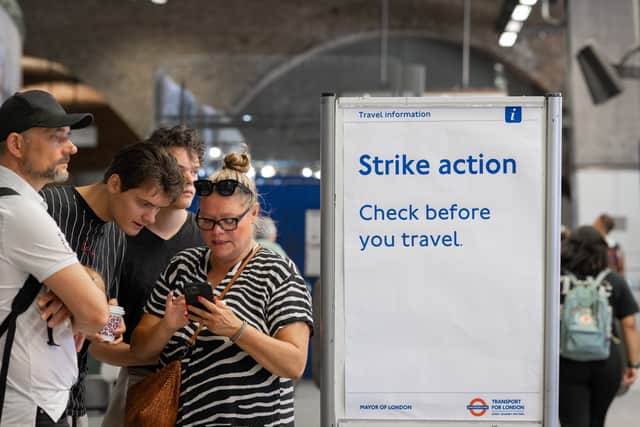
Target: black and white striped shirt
{"points": [[99, 245], [221, 384]]}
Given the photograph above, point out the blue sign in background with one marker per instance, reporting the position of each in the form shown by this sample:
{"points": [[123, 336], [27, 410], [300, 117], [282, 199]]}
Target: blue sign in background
{"points": [[286, 200]]}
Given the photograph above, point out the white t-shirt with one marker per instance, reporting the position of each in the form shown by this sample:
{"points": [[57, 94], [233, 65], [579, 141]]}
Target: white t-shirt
{"points": [[31, 243]]}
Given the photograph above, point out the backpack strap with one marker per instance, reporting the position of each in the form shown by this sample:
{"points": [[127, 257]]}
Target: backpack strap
{"points": [[595, 283], [20, 303], [26, 295], [600, 277], [566, 280]]}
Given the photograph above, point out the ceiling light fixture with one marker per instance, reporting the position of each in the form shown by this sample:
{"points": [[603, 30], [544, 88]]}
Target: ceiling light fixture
{"points": [[251, 173], [513, 26], [513, 14], [521, 12], [215, 152], [268, 171], [507, 39]]}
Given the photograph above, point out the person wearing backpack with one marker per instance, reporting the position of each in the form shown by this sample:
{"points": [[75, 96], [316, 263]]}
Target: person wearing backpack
{"points": [[591, 296], [39, 363]]}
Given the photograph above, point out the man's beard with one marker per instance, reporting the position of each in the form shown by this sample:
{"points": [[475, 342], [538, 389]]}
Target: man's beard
{"points": [[51, 174], [58, 175]]}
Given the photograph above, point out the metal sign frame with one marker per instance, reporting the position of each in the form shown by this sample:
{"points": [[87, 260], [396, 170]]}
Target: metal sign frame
{"points": [[332, 259]]}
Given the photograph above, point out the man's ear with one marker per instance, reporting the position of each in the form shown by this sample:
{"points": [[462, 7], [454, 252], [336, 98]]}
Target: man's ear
{"points": [[255, 210], [15, 144], [114, 184]]}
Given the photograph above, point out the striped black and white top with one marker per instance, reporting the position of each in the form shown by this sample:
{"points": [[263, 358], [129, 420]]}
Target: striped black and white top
{"points": [[221, 384], [99, 245]]}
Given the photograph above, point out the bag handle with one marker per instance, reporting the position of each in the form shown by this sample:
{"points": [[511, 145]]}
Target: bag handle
{"points": [[226, 289], [242, 266]]}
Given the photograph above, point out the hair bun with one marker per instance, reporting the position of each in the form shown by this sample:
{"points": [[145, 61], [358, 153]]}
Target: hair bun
{"points": [[240, 162]]}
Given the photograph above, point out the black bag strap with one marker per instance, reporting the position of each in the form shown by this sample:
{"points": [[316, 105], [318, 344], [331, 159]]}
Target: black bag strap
{"points": [[6, 191], [26, 295]]}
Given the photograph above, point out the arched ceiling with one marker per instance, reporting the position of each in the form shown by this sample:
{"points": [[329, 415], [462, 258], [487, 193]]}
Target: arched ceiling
{"points": [[117, 47]]}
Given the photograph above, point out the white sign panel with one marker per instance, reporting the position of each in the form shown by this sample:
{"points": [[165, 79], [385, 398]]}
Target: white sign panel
{"points": [[444, 261]]}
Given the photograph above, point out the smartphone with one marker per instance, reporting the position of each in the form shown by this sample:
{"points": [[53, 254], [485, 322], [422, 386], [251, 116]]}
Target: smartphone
{"points": [[193, 290]]}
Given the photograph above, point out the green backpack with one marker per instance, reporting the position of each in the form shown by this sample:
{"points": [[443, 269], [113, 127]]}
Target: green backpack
{"points": [[585, 319]]}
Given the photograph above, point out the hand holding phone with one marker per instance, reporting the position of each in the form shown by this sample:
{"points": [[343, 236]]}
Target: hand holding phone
{"points": [[193, 290]]}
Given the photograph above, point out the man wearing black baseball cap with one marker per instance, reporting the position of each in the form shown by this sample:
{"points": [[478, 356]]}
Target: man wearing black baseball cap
{"points": [[40, 366], [36, 115]]}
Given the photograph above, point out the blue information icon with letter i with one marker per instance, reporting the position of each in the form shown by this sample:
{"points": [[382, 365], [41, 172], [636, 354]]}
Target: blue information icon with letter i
{"points": [[513, 114]]}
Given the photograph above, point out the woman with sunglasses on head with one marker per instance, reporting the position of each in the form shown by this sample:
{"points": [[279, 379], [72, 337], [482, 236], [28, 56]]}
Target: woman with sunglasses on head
{"points": [[250, 343]]}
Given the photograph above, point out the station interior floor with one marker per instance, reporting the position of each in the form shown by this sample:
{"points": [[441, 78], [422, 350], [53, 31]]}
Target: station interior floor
{"points": [[624, 412]]}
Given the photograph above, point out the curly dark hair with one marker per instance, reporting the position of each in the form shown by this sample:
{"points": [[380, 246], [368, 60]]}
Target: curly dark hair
{"points": [[178, 136], [584, 252]]}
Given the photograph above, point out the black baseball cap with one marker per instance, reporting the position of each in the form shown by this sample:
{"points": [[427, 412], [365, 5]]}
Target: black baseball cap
{"points": [[37, 108]]}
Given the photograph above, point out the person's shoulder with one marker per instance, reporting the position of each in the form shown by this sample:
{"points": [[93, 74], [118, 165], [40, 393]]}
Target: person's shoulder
{"points": [[266, 254], [187, 261], [196, 252], [51, 191], [59, 198], [616, 280], [23, 209], [268, 260], [27, 222], [272, 246]]}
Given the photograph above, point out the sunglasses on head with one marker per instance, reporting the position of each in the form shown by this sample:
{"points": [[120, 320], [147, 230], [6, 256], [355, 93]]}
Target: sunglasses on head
{"points": [[226, 187]]}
